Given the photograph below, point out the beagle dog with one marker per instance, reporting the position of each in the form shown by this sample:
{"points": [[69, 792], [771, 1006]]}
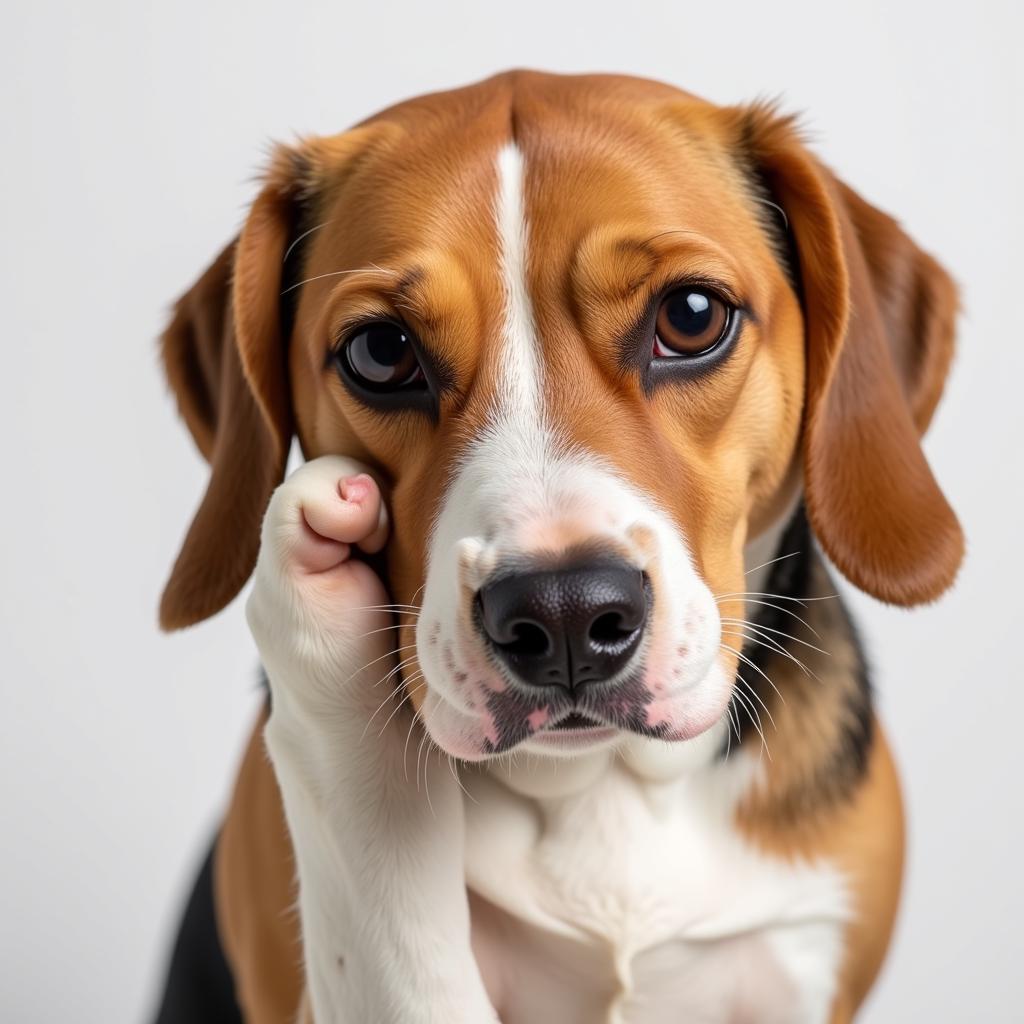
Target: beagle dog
{"points": [[566, 723]]}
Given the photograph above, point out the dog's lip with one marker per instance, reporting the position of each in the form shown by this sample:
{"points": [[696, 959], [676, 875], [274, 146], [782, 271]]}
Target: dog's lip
{"points": [[576, 721], [575, 732]]}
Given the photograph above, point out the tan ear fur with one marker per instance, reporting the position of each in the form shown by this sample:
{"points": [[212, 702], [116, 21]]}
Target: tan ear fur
{"points": [[879, 326], [912, 291], [224, 358]]}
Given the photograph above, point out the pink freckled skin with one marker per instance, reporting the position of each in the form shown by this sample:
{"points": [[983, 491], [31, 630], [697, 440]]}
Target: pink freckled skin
{"points": [[490, 731], [538, 719], [658, 714]]}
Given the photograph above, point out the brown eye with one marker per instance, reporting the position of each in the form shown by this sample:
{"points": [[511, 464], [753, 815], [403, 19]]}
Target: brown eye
{"points": [[380, 357], [690, 321]]}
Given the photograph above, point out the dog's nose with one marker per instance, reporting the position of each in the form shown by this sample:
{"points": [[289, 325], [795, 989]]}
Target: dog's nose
{"points": [[566, 627]]}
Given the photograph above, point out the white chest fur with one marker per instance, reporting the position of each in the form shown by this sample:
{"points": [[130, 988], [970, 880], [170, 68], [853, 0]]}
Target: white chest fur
{"points": [[614, 888]]}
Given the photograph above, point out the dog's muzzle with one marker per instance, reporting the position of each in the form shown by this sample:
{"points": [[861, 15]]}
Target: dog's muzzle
{"points": [[565, 628]]}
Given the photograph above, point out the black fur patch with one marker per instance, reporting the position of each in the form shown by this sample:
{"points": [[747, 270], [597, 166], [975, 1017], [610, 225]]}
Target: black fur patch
{"points": [[770, 213], [803, 577], [199, 988]]}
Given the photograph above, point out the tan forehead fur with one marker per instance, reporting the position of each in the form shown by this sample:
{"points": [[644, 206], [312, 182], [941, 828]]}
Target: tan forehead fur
{"points": [[628, 184]]}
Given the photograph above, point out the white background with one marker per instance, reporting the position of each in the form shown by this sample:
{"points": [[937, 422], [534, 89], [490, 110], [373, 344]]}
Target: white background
{"points": [[130, 136]]}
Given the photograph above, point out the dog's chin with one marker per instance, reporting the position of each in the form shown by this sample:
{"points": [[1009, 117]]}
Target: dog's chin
{"points": [[477, 735]]}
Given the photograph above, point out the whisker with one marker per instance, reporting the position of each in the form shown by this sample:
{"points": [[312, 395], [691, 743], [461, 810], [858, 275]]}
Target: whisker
{"points": [[755, 718], [405, 749], [455, 775], [668, 231], [753, 693], [401, 609], [398, 668], [771, 561], [339, 273], [729, 730], [384, 629], [763, 639], [419, 752], [408, 696], [775, 206], [774, 647], [426, 772], [757, 668], [734, 721], [404, 647], [305, 234], [777, 597], [391, 696], [786, 611], [778, 632]]}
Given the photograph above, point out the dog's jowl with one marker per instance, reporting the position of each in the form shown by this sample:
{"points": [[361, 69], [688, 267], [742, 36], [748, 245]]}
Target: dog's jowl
{"points": [[597, 385]]}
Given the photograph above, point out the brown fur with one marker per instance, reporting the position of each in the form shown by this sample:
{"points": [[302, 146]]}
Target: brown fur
{"points": [[630, 185], [254, 875]]}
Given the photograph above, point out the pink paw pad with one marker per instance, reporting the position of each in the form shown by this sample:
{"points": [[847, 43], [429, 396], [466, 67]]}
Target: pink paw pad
{"points": [[355, 488]]}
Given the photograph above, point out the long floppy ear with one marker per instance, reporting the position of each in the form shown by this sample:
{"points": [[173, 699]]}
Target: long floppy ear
{"points": [[879, 318], [224, 358]]}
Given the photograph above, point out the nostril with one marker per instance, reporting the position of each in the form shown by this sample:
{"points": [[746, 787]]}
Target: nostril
{"points": [[609, 629], [528, 639], [565, 626]]}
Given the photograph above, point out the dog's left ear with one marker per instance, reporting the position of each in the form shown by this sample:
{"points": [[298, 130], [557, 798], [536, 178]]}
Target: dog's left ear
{"points": [[879, 321]]}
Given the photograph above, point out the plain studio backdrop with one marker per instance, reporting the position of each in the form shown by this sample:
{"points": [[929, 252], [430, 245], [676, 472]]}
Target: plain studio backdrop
{"points": [[132, 133]]}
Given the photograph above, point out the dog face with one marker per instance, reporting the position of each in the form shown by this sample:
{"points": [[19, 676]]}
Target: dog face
{"points": [[593, 335]]}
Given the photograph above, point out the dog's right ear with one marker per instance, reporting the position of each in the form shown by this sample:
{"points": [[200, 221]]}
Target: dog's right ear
{"points": [[224, 356], [224, 360]]}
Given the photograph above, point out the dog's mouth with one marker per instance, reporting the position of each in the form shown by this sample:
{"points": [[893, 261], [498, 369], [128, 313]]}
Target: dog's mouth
{"points": [[577, 721], [575, 733]]}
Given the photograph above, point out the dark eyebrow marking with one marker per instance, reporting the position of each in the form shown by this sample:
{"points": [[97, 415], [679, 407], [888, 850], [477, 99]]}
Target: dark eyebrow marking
{"points": [[409, 281], [770, 214]]}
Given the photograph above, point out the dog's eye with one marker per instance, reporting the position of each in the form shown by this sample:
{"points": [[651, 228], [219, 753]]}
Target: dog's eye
{"points": [[380, 356], [691, 321]]}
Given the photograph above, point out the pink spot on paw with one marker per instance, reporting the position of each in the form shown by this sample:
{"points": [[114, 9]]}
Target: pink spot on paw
{"points": [[355, 488]]}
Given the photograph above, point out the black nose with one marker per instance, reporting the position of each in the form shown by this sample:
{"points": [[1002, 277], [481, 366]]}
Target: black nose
{"points": [[566, 627]]}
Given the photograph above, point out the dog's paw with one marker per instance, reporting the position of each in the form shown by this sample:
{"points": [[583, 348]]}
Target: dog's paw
{"points": [[319, 615]]}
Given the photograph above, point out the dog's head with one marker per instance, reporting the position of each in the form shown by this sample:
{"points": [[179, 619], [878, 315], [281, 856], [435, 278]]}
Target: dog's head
{"points": [[594, 335]]}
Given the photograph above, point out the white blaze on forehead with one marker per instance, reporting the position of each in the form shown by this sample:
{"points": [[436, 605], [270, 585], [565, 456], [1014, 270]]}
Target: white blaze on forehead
{"points": [[519, 368], [520, 488]]}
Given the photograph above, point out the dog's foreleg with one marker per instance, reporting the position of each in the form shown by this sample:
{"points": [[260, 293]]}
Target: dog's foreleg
{"points": [[378, 835]]}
